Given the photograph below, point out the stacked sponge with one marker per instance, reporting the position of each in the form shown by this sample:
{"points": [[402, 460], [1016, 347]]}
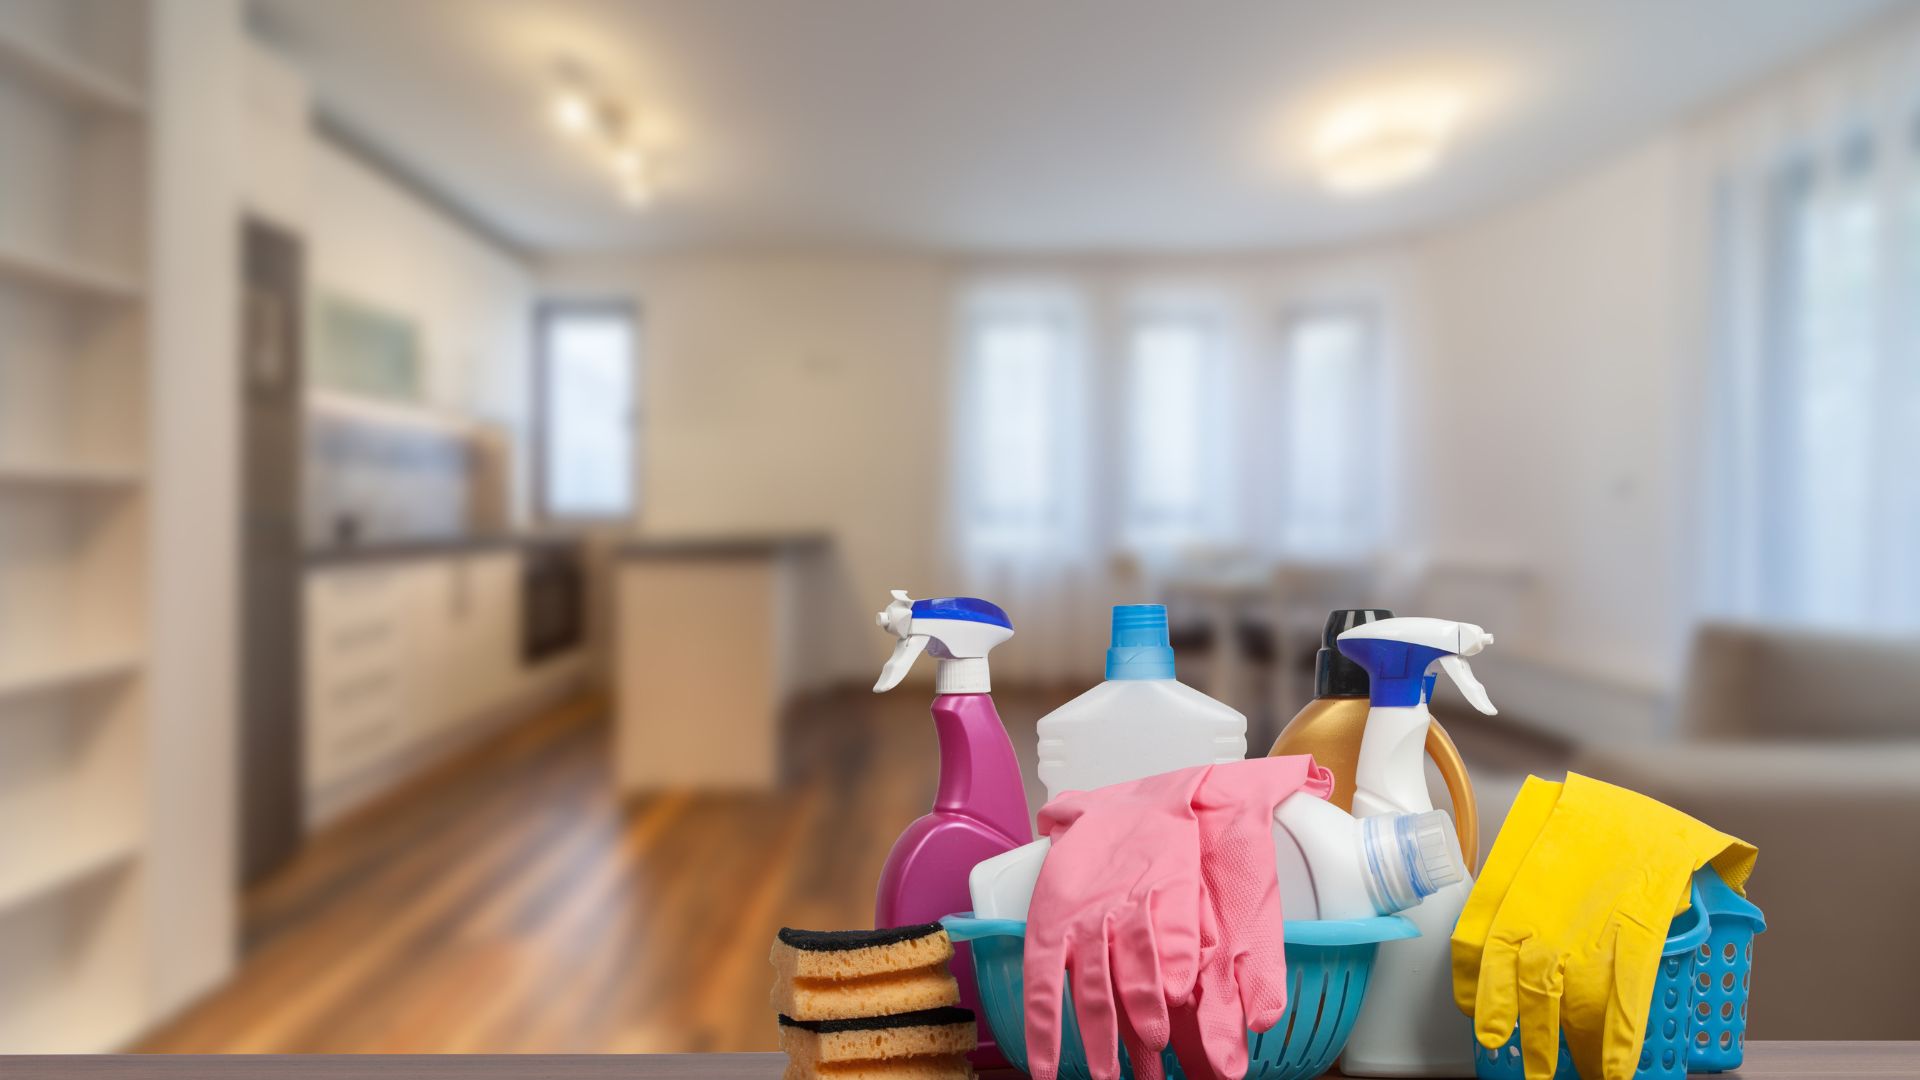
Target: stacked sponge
{"points": [[870, 1005]]}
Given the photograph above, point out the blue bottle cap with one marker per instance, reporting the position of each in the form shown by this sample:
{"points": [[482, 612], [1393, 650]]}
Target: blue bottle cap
{"points": [[1139, 648]]}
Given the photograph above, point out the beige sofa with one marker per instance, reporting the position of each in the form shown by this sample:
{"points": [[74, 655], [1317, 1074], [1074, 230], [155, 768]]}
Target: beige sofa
{"points": [[1809, 747]]}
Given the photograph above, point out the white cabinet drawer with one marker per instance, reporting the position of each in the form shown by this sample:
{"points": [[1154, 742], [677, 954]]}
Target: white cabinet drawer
{"points": [[358, 661], [345, 593], [350, 743], [352, 719]]}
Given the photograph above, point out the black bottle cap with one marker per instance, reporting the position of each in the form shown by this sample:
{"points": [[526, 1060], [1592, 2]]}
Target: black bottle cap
{"points": [[1333, 674]]}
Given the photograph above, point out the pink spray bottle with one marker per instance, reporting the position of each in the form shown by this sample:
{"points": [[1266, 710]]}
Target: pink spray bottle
{"points": [[980, 807]]}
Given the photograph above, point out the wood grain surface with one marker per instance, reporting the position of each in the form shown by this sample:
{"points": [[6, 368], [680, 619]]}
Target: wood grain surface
{"points": [[1765, 1061], [510, 902]]}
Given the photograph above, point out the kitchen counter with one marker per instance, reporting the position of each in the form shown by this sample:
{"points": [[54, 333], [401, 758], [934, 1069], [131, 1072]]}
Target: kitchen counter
{"points": [[1765, 1061], [723, 547], [387, 550]]}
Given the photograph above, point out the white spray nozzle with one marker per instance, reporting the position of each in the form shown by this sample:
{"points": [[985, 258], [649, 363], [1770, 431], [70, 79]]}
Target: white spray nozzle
{"points": [[958, 630], [1433, 641], [1470, 687]]}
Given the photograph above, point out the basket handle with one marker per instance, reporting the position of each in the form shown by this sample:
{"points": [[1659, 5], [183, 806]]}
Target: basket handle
{"points": [[1692, 937]]}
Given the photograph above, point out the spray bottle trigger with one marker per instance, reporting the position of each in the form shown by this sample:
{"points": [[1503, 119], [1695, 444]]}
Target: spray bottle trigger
{"points": [[1462, 676], [904, 654]]}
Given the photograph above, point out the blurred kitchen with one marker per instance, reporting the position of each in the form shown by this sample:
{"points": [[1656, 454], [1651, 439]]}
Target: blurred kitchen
{"points": [[451, 453]]}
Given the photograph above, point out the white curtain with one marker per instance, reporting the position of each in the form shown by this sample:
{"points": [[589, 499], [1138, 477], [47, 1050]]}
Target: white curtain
{"points": [[1179, 371], [1811, 491], [1024, 535], [1110, 435]]}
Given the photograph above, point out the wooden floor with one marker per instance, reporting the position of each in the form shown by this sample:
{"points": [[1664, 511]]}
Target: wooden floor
{"points": [[509, 902]]}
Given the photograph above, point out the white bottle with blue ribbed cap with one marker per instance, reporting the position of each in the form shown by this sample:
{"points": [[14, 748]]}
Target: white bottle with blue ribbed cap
{"points": [[1141, 720]]}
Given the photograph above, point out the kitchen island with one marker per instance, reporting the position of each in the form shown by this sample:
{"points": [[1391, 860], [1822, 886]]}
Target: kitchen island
{"points": [[711, 642]]}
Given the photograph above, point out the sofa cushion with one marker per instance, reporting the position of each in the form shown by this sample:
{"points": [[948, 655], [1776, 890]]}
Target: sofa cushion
{"points": [[1766, 682]]}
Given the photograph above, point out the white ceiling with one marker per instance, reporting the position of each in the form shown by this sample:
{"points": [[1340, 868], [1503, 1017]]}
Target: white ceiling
{"points": [[1003, 124]]}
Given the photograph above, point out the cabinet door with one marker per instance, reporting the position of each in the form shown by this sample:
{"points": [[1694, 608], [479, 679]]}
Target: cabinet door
{"points": [[494, 630], [435, 694], [478, 623], [357, 661]]}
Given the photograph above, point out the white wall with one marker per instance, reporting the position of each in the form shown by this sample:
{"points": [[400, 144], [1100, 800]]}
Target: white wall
{"points": [[837, 363], [1553, 396]]}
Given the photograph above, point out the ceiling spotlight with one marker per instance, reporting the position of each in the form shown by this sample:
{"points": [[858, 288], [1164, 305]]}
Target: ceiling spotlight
{"points": [[573, 112], [603, 123], [1386, 139]]}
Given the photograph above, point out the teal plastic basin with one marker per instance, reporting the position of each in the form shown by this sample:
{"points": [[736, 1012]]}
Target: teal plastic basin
{"points": [[1328, 962]]}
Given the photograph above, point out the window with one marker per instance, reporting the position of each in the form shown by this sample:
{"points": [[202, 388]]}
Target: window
{"points": [[1822, 400], [585, 417], [1178, 474], [1014, 436], [1327, 405], [1812, 516]]}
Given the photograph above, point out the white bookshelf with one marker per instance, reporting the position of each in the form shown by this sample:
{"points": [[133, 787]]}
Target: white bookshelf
{"points": [[71, 79], [59, 675], [29, 880], [66, 275], [73, 476], [75, 399]]}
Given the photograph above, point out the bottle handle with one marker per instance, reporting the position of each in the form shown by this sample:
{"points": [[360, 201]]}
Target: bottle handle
{"points": [[1466, 813]]}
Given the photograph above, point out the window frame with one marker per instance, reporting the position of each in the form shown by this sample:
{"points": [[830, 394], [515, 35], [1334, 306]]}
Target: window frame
{"points": [[546, 312]]}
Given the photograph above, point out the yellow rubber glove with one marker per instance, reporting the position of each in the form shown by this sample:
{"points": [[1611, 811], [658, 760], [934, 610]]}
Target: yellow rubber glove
{"points": [[1517, 834], [1575, 942]]}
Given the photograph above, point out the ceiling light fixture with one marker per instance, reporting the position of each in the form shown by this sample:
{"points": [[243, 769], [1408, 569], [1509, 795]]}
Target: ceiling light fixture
{"points": [[573, 113], [1386, 139], [582, 112]]}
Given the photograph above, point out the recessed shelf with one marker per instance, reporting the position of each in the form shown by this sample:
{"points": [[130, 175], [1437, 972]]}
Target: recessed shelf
{"points": [[27, 880], [70, 673], [67, 78], [64, 476], [52, 272]]}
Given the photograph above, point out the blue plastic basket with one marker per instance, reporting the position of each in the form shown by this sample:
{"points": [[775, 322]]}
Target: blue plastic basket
{"points": [[1328, 962], [1722, 976], [1699, 994]]}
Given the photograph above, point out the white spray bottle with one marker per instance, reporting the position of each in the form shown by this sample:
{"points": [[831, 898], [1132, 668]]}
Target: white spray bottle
{"points": [[1408, 1025]]}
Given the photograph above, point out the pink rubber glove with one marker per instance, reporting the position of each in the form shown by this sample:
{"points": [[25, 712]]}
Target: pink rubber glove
{"points": [[1161, 894], [1117, 906], [1242, 984]]}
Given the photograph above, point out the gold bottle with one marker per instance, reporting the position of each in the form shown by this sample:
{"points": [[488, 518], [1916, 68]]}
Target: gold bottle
{"points": [[1331, 725]]}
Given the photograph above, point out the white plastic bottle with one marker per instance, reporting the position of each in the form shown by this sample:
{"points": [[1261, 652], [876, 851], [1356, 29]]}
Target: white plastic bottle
{"points": [[1330, 864], [1408, 1023], [1139, 722], [1333, 865]]}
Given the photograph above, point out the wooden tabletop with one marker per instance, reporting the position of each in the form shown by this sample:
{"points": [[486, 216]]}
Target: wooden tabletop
{"points": [[1765, 1061]]}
